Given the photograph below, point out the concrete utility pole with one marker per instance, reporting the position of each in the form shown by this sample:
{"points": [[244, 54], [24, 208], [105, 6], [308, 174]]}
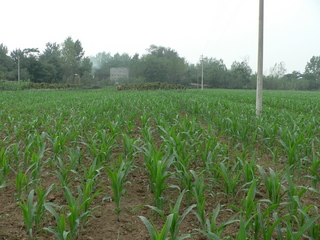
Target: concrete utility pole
{"points": [[260, 61], [18, 68], [202, 72]]}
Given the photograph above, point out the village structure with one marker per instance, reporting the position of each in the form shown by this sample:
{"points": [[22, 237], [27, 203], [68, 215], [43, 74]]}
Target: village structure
{"points": [[118, 73]]}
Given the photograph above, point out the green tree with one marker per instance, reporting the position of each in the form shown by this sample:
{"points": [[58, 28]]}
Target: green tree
{"points": [[86, 71], [164, 65], [52, 63], [278, 70], [72, 54], [239, 76], [118, 61], [312, 73], [6, 64], [34, 67], [155, 69], [100, 66], [313, 67], [214, 72], [19, 55], [136, 67]]}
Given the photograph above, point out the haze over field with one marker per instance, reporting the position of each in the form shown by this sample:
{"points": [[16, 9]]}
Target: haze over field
{"points": [[225, 30]]}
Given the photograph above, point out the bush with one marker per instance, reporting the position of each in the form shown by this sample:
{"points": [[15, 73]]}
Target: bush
{"points": [[152, 86], [13, 85]]}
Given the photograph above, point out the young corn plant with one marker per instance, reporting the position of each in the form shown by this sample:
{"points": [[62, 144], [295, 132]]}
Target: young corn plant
{"points": [[291, 142], [248, 169], [87, 193], [209, 157], [118, 177], [63, 172], [35, 167], [230, 180], [40, 208], [266, 222], [22, 182], [185, 178], [4, 168], [91, 173], [28, 208], [60, 231], [272, 184], [212, 230], [294, 195], [314, 167], [131, 147], [176, 145], [198, 191], [158, 165], [75, 215], [58, 144], [307, 228], [177, 218], [163, 234]]}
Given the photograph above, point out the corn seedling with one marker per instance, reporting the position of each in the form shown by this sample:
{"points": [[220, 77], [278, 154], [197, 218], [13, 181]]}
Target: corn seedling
{"points": [[63, 173], [185, 178], [230, 180], [60, 231], [212, 230], [154, 233], [75, 214], [87, 193], [131, 147], [118, 177], [308, 226], [265, 225], [28, 208], [198, 191], [22, 182], [272, 184], [176, 219], [314, 168], [158, 165], [4, 166], [40, 208], [294, 195]]}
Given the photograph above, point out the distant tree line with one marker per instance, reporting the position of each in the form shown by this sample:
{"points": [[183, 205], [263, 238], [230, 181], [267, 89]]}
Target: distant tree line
{"points": [[66, 63]]}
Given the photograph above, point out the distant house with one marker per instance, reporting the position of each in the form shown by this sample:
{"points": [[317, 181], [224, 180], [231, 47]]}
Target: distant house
{"points": [[117, 73]]}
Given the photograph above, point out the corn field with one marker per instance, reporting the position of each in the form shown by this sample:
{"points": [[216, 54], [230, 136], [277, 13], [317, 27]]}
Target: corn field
{"points": [[103, 164]]}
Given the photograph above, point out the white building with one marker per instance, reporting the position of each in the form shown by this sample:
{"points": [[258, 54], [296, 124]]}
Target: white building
{"points": [[117, 73]]}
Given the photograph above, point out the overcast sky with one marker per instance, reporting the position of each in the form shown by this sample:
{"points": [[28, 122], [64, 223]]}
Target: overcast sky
{"points": [[222, 29]]}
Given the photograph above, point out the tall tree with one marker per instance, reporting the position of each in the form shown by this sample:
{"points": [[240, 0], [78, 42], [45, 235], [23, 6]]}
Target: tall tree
{"points": [[6, 64], [312, 73], [164, 65], [240, 73], [278, 70], [100, 65], [135, 67], [52, 61], [313, 67], [72, 53], [18, 56], [86, 71], [214, 71]]}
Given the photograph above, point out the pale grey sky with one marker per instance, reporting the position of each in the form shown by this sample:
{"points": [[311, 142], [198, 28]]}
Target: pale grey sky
{"points": [[222, 29]]}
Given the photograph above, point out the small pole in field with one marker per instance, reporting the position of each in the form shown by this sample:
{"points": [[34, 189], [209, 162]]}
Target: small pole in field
{"points": [[260, 62], [202, 72], [18, 67]]}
